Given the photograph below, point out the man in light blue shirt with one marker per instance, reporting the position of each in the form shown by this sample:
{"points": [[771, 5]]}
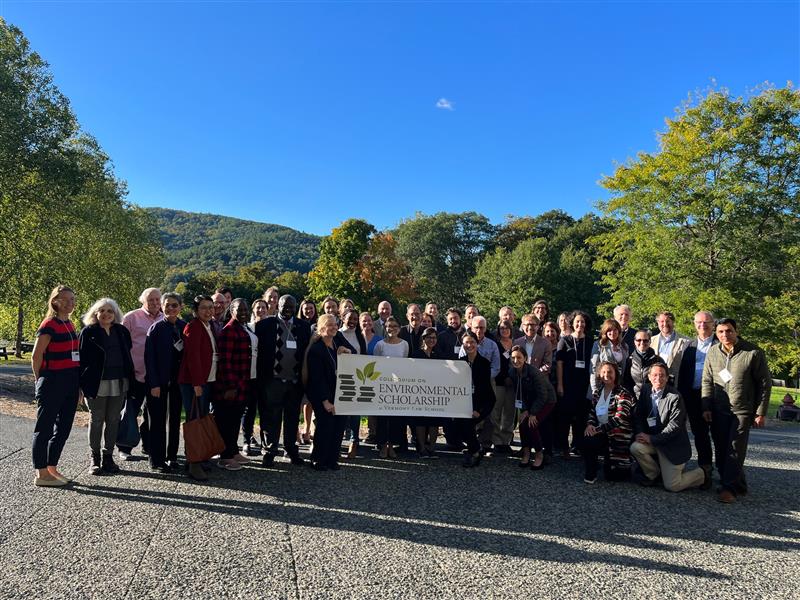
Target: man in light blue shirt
{"points": [[487, 348]]}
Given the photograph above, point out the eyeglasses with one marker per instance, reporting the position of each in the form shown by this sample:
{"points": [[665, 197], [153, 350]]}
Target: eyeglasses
{"points": [[641, 341]]}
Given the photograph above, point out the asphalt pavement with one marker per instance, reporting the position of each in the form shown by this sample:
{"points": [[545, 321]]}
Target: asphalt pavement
{"points": [[408, 528]]}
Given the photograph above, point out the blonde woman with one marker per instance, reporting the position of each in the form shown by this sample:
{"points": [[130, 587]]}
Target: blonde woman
{"points": [[106, 372]]}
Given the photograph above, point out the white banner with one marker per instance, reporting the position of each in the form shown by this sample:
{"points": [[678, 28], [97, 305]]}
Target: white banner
{"points": [[408, 387]]}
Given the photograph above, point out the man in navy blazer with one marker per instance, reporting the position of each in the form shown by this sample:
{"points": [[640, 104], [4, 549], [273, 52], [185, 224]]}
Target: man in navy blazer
{"points": [[661, 443], [282, 343], [690, 380]]}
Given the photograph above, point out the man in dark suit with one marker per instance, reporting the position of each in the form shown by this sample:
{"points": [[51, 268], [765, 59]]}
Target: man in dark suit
{"points": [[661, 443], [690, 380], [282, 343]]}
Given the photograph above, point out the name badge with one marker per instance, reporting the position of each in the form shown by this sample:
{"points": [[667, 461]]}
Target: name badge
{"points": [[456, 349], [725, 375], [291, 344], [580, 364], [507, 354], [651, 421], [518, 403], [601, 411], [178, 345], [76, 356]]}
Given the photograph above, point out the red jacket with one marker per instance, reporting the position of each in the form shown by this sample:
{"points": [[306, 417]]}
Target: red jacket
{"points": [[233, 370], [197, 354]]}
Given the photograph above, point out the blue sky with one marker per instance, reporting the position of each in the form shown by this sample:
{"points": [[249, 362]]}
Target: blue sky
{"points": [[306, 114]]}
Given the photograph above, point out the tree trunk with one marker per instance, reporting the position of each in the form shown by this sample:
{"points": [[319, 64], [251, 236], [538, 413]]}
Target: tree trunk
{"points": [[20, 323]]}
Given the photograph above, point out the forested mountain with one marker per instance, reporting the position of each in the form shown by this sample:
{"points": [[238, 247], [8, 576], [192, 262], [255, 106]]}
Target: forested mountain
{"points": [[200, 243]]}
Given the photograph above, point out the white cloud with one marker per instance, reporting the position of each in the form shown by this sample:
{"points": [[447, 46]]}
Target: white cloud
{"points": [[444, 104]]}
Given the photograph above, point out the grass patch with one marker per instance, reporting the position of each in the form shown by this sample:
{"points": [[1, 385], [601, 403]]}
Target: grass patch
{"points": [[776, 398]]}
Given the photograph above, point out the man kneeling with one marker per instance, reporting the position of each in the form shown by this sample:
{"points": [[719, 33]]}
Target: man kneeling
{"points": [[661, 443]]}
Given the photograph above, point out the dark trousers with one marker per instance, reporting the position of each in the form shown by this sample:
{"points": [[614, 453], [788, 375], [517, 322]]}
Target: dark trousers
{"points": [[164, 416], [130, 432], [731, 434], [452, 432], [57, 399], [228, 416], [468, 433], [591, 448], [571, 412], [256, 401], [327, 437], [282, 409], [701, 429], [390, 430], [531, 437]]}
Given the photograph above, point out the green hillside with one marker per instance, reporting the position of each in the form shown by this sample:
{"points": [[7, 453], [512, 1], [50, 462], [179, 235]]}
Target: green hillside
{"points": [[199, 243]]}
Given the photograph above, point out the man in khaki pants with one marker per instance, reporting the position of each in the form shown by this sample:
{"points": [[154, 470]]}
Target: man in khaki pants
{"points": [[661, 444]]}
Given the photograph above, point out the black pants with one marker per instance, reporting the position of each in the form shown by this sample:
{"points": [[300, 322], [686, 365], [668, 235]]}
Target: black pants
{"points": [[164, 416], [130, 414], [591, 448], [571, 412], [701, 429], [390, 430], [282, 409], [731, 433], [452, 432], [56, 399], [256, 401], [468, 433], [327, 437], [227, 416]]}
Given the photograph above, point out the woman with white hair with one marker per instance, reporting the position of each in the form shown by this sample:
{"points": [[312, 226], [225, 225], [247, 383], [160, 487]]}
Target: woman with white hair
{"points": [[105, 375]]}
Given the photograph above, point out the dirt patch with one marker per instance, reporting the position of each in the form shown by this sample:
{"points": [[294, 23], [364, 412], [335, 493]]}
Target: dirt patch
{"points": [[20, 405]]}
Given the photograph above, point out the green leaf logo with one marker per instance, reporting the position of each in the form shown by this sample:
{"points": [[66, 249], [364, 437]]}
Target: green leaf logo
{"points": [[369, 372]]}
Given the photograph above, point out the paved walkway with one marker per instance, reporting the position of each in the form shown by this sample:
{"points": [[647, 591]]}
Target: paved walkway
{"points": [[393, 529]]}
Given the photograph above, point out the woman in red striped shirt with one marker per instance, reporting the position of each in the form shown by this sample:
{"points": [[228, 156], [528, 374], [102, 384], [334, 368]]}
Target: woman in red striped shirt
{"points": [[56, 367]]}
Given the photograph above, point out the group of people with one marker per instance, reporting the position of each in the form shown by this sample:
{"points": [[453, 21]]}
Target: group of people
{"points": [[622, 399]]}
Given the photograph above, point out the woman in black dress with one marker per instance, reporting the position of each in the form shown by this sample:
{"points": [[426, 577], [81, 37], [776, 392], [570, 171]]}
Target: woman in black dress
{"points": [[483, 398], [321, 363], [426, 428], [573, 360]]}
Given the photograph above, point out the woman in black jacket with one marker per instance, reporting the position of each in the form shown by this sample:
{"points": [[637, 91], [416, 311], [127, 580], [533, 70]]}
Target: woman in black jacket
{"points": [[163, 351], [483, 398], [426, 429], [535, 399], [105, 374], [320, 373]]}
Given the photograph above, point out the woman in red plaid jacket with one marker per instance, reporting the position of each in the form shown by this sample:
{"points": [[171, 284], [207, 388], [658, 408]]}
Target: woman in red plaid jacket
{"points": [[238, 353]]}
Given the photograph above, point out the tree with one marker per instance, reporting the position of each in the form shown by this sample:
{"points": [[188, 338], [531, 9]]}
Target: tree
{"points": [[336, 271], [443, 251], [518, 229], [709, 220], [383, 274], [556, 266], [63, 217]]}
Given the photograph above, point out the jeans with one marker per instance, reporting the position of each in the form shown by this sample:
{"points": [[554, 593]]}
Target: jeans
{"points": [[187, 393], [57, 400]]}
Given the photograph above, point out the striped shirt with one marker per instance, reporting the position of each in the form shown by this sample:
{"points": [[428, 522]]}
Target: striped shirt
{"points": [[62, 347]]}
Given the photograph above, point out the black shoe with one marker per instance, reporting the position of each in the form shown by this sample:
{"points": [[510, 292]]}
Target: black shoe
{"points": [[174, 465], [334, 467], [502, 449], [268, 460], [319, 467], [158, 466], [95, 468], [467, 463], [647, 482], [109, 466], [706, 485], [297, 459]]}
